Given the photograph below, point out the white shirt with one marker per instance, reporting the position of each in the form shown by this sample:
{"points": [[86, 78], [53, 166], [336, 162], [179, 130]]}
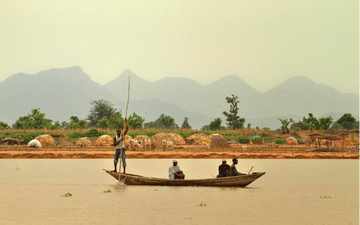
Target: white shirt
{"points": [[35, 143], [173, 169], [121, 144]]}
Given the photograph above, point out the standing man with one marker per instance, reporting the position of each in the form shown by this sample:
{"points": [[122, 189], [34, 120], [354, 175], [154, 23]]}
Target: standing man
{"points": [[224, 169], [233, 170], [175, 172], [120, 146]]}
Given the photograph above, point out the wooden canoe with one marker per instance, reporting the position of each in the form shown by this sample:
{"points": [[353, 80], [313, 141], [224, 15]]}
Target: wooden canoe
{"points": [[236, 181]]}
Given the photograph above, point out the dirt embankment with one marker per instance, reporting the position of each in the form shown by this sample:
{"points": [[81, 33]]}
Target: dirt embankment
{"points": [[197, 152]]}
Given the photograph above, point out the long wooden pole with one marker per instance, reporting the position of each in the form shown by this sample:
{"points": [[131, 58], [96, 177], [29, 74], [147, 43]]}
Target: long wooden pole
{"points": [[126, 110], [250, 169]]}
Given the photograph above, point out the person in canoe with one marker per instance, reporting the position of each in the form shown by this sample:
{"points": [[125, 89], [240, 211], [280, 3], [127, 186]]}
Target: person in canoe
{"points": [[120, 146], [175, 172], [224, 169], [233, 170]]}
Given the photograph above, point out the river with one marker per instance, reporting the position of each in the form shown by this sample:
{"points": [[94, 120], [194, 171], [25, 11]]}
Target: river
{"points": [[291, 192]]}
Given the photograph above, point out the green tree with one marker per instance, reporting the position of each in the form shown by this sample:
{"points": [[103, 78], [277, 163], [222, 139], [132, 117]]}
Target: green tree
{"points": [[163, 122], [34, 120], [205, 128], [135, 121], [285, 125], [347, 121], [337, 126], [249, 125], [74, 123], [103, 123], [185, 124], [64, 124], [56, 126], [215, 124], [356, 125], [312, 123], [99, 109], [325, 123], [83, 124], [150, 124], [168, 122], [233, 119], [3, 125], [116, 120]]}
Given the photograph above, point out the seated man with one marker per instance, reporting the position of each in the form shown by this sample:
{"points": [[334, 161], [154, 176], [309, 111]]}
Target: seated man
{"points": [[175, 172], [233, 170], [224, 169]]}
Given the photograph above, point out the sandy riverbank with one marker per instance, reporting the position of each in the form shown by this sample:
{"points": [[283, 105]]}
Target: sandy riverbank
{"points": [[11, 152]]}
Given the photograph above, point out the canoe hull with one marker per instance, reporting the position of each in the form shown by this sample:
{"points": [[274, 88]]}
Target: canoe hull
{"points": [[236, 181]]}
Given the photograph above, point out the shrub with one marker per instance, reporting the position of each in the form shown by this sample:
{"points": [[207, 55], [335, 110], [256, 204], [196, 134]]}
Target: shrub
{"points": [[94, 133], [280, 141], [244, 140], [75, 135], [27, 136]]}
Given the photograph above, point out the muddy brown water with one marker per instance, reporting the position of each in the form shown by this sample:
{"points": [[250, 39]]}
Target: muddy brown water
{"points": [[291, 192]]}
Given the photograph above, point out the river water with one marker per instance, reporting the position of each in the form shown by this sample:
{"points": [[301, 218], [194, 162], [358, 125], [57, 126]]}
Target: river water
{"points": [[291, 192]]}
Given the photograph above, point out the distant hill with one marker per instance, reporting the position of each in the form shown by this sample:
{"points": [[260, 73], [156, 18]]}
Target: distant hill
{"points": [[187, 94], [299, 95], [61, 93], [296, 96]]}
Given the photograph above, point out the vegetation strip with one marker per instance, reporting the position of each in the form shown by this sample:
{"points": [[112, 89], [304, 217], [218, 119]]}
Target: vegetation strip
{"points": [[184, 155]]}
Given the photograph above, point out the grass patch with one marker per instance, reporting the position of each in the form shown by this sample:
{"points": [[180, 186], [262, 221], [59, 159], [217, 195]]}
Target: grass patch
{"points": [[202, 204], [67, 195], [243, 140]]}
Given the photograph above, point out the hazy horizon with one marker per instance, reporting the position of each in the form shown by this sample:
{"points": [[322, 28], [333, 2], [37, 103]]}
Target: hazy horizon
{"points": [[262, 43], [180, 78]]}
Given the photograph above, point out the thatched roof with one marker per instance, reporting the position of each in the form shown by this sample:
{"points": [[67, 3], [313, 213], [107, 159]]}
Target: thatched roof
{"points": [[332, 135]]}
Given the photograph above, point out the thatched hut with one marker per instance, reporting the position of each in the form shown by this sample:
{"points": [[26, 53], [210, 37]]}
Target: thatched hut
{"points": [[46, 140], [104, 140], [177, 139], [218, 141], [83, 142], [200, 139], [159, 137]]}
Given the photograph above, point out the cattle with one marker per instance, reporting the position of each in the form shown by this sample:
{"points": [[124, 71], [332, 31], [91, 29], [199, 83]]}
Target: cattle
{"points": [[167, 144], [134, 144], [148, 143], [34, 144]]}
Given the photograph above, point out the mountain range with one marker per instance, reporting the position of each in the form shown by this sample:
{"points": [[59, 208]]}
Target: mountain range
{"points": [[61, 93]]}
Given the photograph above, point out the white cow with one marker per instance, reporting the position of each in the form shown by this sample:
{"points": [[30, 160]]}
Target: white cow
{"points": [[167, 144], [134, 144], [34, 143], [244, 147], [148, 143]]}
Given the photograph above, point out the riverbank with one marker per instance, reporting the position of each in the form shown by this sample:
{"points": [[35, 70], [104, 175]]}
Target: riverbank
{"points": [[188, 152]]}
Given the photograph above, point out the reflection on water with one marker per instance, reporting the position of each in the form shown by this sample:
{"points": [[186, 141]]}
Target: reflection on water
{"points": [[291, 192]]}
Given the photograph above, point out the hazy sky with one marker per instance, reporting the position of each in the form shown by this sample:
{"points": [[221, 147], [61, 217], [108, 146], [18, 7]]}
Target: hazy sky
{"points": [[263, 42]]}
